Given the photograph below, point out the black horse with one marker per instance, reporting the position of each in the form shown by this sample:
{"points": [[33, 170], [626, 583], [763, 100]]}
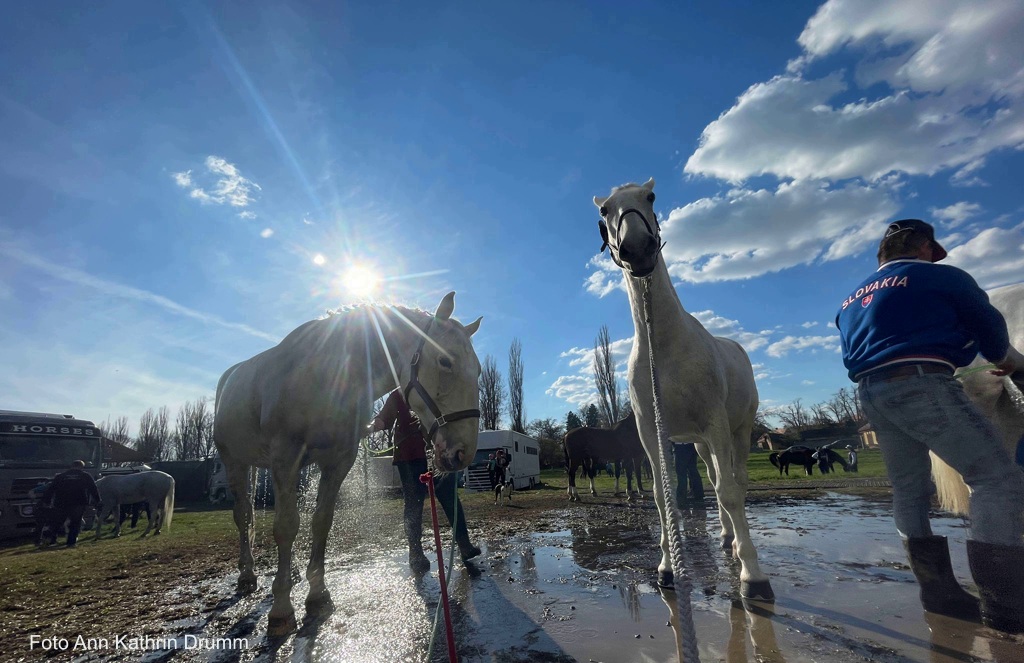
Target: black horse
{"points": [[590, 448], [828, 458], [795, 455]]}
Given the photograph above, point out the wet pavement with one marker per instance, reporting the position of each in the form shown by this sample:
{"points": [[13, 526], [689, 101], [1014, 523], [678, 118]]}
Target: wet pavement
{"points": [[586, 593]]}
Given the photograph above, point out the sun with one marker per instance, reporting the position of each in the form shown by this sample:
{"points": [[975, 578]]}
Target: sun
{"points": [[360, 280]]}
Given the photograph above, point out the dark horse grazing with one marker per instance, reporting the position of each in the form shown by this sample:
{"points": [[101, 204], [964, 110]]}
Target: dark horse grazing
{"points": [[794, 456], [827, 458], [587, 446]]}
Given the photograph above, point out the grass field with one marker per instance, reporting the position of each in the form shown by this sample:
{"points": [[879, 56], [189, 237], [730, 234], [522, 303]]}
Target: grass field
{"points": [[204, 541]]}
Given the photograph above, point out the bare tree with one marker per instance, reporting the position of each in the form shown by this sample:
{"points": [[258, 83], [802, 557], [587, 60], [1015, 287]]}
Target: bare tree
{"points": [[820, 415], [516, 413], [492, 395], [154, 434], [604, 376], [117, 430], [546, 429], [794, 416], [193, 430], [845, 407]]}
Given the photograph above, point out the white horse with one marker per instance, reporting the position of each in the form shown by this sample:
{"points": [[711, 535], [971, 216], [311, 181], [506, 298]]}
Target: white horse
{"points": [[996, 396], [308, 400], [154, 487], [707, 383]]}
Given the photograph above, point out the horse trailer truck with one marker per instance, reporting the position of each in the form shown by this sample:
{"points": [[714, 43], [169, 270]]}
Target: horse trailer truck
{"points": [[523, 450], [35, 446]]}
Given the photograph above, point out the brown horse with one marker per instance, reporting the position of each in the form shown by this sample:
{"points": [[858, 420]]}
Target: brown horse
{"points": [[586, 446]]}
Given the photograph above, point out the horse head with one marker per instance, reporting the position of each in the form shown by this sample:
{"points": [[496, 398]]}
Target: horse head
{"points": [[629, 227], [444, 392]]}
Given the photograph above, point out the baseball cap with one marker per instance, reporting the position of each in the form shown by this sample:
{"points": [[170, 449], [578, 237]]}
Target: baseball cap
{"points": [[917, 226]]}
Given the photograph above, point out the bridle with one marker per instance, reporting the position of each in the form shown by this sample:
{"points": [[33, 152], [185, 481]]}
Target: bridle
{"points": [[610, 239], [440, 419]]}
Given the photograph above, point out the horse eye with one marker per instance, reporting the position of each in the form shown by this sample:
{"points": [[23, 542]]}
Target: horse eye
{"points": [[446, 363], [650, 197], [604, 211]]}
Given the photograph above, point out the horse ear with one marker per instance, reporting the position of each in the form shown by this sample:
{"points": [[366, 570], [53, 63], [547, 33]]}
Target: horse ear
{"points": [[446, 307], [600, 201], [649, 185], [472, 327]]}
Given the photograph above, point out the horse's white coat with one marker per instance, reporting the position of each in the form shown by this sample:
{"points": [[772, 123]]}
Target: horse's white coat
{"points": [[707, 383], [309, 399], [993, 396], [154, 487]]}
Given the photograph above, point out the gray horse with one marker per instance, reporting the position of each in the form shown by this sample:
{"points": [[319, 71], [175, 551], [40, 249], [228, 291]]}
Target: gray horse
{"points": [[308, 400], [154, 487]]}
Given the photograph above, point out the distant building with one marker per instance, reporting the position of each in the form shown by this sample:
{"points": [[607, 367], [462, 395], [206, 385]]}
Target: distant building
{"points": [[772, 441], [868, 439]]}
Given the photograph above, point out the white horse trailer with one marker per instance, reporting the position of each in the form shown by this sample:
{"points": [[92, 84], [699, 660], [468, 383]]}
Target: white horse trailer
{"points": [[522, 450]]}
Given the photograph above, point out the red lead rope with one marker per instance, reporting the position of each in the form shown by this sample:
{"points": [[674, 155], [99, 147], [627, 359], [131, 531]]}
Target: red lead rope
{"points": [[428, 479]]}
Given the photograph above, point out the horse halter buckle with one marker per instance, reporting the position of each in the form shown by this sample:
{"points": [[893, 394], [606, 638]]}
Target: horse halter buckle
{"points": [[440, 419]]}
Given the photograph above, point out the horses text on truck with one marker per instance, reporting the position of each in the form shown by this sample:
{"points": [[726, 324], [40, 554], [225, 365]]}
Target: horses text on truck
{"points": [[34, 447], [524, 452]]}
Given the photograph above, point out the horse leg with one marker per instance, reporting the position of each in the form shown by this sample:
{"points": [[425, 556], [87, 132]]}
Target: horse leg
{"points": [[590, 467], [101, 515], [239, 479], [117, 519], [318, 602], [571, 490], [281, 619], [618, 473], [754, 584]]}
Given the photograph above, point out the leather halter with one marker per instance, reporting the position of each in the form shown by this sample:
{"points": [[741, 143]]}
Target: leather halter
{"points": [[414, 383], [611, 241]]}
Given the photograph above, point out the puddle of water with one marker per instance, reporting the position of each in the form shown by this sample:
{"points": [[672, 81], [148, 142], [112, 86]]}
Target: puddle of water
{"points": [[844, 594]]}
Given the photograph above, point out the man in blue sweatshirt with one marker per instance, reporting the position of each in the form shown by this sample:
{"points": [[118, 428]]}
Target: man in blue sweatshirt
{"points": [[904, 330]]}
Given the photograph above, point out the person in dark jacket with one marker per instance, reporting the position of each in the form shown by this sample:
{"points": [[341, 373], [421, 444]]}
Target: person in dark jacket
{"points": [[687, 474], [71, 492], [904, 330], [411, 460]]}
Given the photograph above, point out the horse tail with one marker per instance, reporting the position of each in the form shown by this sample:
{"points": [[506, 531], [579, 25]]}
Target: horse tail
{"points": [[954, 495], [773, 458], [168, 507]]}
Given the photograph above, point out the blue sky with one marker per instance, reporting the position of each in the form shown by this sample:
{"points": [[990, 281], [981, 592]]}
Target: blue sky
{"points": [[170, 175]]}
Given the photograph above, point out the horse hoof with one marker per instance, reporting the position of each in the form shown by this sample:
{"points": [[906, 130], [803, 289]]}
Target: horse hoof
{"points": [[666, 579], [281, 626], [247, 583], [419, 564], [727, 541], [757, 590], [319, 606]]}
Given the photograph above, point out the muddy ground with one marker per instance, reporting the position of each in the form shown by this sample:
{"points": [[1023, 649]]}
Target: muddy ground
{"points": [[556, 582]]}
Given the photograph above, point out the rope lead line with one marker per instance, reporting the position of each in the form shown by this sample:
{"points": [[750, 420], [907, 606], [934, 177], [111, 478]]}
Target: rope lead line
{"points": [[682, 586], [428, 478]]}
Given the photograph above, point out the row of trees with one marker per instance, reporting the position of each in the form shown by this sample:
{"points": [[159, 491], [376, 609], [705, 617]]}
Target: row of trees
{"points": [[188, 436], [842, 408]]}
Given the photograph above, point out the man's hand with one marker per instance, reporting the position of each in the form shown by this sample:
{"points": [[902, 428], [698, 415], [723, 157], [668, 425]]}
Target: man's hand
{"points": [[1011, 363]]}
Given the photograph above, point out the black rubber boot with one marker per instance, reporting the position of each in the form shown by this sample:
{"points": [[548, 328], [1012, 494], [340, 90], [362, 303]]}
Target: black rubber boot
{"points": [[940, 591], [999, 572], [418, 562]]}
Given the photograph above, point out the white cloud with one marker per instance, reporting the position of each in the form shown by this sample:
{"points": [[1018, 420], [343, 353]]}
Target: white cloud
{"points": [[808, 325], [957, 213], [801, 343], [721, 326], [952, 95], [994, 257], [229, 187], [266, 232], [247, 215]]}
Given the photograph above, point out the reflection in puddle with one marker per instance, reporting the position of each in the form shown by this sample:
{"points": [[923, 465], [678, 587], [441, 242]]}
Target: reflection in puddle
{"points": [[586, 593]]}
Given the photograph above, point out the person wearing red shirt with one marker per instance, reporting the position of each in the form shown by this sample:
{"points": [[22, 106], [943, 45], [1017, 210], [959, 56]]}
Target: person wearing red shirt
{"points": [[410, 458]]}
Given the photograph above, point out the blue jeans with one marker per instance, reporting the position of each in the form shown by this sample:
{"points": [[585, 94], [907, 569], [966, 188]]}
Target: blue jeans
{"points": [[931, 412]]}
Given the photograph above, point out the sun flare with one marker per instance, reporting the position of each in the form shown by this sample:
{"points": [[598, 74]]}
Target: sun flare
{"points": [[360, 281]]}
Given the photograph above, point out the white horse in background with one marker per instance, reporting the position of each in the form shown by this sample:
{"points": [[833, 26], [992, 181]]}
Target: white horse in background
{"points": [[997, 397], [707, 383], [308, 400], [154, 487]]}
